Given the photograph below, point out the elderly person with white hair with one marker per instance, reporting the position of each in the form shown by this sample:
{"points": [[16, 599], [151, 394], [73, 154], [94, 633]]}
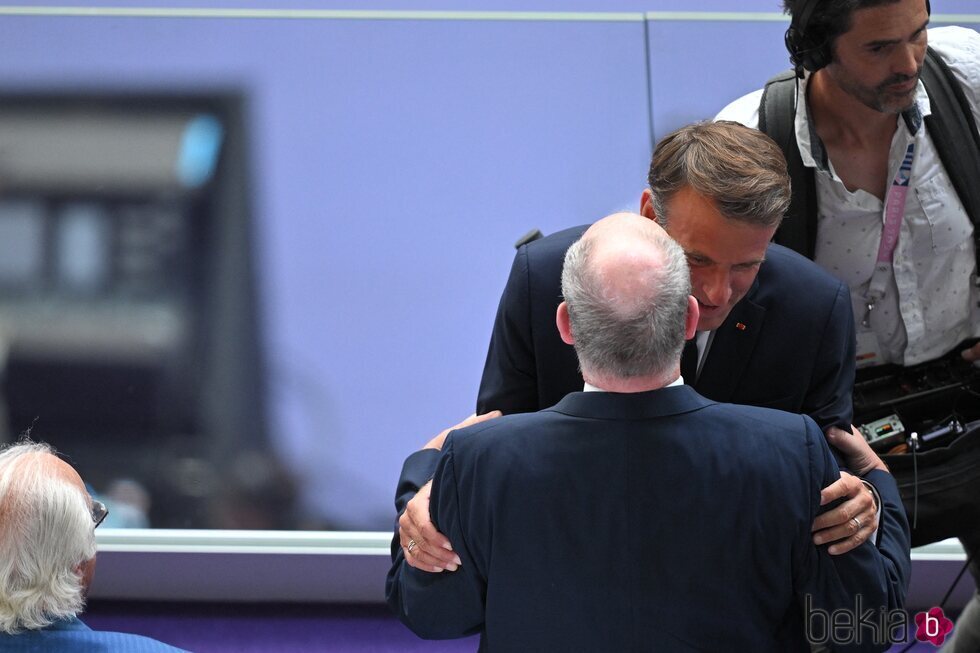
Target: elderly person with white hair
{"points": [[47, 557]]}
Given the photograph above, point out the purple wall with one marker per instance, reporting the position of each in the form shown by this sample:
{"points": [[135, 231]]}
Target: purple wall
{"points": [[394, 164]]}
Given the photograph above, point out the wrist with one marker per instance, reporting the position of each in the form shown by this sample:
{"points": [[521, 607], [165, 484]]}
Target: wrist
{"points": [[873, 492]]}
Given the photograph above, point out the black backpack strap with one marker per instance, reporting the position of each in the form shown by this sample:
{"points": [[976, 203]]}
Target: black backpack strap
{"points": [[954, 132], [777, 114]]}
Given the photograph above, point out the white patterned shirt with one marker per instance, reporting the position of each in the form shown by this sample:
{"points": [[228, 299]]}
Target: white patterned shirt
{"points": [[932, 301]]}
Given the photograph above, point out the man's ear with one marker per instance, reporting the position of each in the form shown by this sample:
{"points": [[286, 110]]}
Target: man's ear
{"points": [[564, 324], [693, 314], [646, 205], [86, 570]]}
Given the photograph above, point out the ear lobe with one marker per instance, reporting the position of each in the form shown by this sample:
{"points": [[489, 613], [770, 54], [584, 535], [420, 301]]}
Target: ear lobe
{"points": [[564, 324]]}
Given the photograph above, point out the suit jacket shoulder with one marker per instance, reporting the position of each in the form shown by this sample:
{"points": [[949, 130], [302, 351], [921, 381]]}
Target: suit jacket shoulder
{"points": [[528, 367]]}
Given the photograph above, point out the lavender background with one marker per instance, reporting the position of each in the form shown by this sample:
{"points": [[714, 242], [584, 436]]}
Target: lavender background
{"points": [[394, 163]]}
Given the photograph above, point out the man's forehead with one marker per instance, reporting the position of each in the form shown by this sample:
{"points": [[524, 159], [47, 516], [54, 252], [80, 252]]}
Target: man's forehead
{"points": [[719, 239], [744, 257], [887, 23]]}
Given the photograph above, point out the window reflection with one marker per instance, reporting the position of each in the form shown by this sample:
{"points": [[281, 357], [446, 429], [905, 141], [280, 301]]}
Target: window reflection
{"points": [[126, 306]]}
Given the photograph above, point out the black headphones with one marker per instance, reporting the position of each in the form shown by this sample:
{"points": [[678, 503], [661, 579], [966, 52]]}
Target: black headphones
{"points": [[804, 53]]}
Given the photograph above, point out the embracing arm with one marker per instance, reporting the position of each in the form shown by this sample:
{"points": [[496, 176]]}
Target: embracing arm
{"points": [[828, 402], [878, 575], [422, 545], [447, 605]]}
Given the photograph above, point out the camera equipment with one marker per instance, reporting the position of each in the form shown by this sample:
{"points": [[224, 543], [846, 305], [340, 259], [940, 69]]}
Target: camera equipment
{"points": [[936, 399]]}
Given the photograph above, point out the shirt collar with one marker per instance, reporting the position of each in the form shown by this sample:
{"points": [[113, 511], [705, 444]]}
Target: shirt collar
{"points": [[811, 147], [72, 623], [591, 388]]}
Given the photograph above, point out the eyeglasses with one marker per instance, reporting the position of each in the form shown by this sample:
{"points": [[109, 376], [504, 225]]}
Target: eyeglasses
{"points": [[99, 512]]}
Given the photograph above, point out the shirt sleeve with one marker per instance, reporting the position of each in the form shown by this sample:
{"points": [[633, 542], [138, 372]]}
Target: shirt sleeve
{"points": [[744, 110], [960, 49]]}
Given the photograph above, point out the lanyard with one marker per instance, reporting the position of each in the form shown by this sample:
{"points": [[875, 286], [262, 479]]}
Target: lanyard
{"points": [[894, 211]]}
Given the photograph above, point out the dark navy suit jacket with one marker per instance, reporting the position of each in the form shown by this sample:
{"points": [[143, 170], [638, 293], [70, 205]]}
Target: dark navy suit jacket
{"points": [[788, 344], [637, 522]]}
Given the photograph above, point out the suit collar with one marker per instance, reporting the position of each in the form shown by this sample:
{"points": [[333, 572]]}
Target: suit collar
{"points": [[625, 406], [72, 623]]}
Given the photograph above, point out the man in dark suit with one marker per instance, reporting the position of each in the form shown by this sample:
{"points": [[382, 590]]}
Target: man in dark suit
{"points": [[638, 515], [774, 329], [47, 558]]}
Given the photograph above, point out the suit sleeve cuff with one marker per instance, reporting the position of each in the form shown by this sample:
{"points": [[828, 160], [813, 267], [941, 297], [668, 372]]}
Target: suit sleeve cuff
{"points": [[418, 469]]}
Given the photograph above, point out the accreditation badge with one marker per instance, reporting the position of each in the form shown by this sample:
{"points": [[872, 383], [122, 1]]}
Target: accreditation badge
{"points": [[868, 352]]}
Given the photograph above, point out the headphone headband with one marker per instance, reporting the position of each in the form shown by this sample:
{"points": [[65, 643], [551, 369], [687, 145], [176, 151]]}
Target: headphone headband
{"points": [[803, 52]]}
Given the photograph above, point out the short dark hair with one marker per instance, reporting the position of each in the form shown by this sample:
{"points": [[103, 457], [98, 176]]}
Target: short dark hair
{"points": [[740, 169], [828, 20]]}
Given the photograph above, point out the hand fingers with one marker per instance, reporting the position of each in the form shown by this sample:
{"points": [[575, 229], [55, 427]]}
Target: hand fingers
{"points": [[857, 500], [972, 354], [420, 559], [429, 551], [848, 525], [432, 550], [476, 419], [437, 442], [853, 449], [839, 489], [868, 524]]}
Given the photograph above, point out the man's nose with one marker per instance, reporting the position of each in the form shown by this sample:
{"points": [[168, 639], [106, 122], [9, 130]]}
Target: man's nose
{"points": [[717, 288], [908, 59]]}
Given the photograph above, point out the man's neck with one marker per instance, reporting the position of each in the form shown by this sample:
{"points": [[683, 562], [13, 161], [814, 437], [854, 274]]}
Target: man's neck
{"points": [[842, 120], [855, 137], [628, 386]]}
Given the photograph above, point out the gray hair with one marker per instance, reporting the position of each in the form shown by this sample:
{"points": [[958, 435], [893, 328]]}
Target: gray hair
{"points": [[46, 532], [627, 337], [741, 169]]}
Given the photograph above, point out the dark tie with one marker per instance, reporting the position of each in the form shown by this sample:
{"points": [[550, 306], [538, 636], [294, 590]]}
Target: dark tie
{"points": [[689, 362]]}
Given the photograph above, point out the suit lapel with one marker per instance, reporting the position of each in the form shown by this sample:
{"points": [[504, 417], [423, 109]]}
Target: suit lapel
{"points": [[731, 350]]}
